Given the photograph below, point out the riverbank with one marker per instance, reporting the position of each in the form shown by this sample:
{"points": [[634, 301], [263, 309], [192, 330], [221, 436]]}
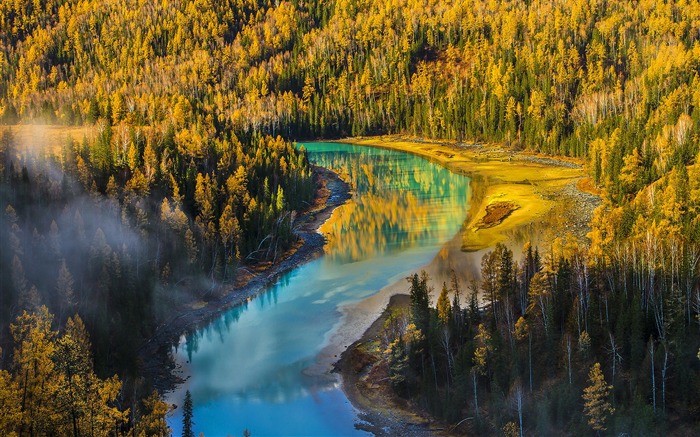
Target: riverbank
{"points": [[155, 354], [530, 190], [516, 197], [382, 412]]}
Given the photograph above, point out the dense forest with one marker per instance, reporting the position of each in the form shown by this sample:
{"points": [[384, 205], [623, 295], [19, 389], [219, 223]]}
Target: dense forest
{"points": [[123, 236], [188, 99], [560, 346], [53, 388], [127, 244]]}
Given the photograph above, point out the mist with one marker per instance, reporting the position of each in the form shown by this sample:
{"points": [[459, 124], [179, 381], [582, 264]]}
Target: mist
{"points": [[105, 257]]}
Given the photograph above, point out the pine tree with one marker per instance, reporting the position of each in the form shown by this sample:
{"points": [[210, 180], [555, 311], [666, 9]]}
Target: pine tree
{"points": [[596, 406], [187, 416], [64, 289], [398, 364], [420, 302]]}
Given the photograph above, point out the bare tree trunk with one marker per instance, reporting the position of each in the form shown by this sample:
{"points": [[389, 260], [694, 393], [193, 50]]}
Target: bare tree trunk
{"points": [[568, 355], [653, 377], [446, 345], [432, 361], [529, 347], [519, 400], [476, 400], [663, 379], [613, 352]]}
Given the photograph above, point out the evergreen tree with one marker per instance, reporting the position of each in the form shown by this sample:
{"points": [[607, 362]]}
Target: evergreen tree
{"points": [[420, 302], [187, 416], [398, 365]]}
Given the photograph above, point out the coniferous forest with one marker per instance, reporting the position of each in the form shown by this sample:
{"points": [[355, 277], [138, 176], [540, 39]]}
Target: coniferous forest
{"points": [[190, 173]]}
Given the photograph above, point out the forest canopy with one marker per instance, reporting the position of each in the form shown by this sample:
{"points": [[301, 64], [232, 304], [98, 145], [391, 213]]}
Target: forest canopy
{"points": [[194, 102], [612, 82]]}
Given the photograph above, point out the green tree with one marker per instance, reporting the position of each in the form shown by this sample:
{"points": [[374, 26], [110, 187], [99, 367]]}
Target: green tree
{"points": [[64, 289], [398, 365], [420, 302], [187, 422]]}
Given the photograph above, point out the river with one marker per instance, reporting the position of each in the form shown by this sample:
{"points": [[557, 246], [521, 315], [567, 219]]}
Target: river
{"points": [[250, 367]]}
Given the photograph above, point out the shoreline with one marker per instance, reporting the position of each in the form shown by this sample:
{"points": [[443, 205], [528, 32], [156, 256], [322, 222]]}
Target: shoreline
{"points": [[158, 365], [544, 201], [379, 411], [531, 182]]}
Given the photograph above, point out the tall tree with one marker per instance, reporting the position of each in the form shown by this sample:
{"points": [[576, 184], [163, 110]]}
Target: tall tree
{"points": [[420, 302], [187, 422], [35, 372], [444, 307], [152, 418], [595, 396]]}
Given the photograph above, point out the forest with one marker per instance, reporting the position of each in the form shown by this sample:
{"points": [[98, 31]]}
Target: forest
{"points": [[559, 347], [194, 105]]}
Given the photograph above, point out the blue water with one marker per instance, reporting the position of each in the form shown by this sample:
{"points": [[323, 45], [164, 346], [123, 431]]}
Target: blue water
{"points": [[248, 366]]}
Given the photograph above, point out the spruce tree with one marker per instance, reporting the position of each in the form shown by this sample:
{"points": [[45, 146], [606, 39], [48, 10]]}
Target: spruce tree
{"points": [[187, 416], [420, 302]]}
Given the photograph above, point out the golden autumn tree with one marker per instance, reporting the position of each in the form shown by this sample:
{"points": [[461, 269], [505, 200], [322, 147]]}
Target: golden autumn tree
{"points": [[87, 402], [51, 387], [152, 419], [10, 403], [444, 307], [595, 396], [230, 232], [483, 349], [34, 370]]}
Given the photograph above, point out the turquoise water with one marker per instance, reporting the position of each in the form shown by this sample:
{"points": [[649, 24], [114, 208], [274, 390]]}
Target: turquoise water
{"points": [[248, 366]]}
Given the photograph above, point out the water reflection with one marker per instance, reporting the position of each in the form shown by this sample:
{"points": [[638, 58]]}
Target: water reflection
{"points": [[399, 201], [252, 364]]}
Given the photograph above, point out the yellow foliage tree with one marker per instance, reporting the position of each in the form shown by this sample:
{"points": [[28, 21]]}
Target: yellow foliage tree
{"points": [[152, 422], [444, 308], [483, 349], [595, 396]]}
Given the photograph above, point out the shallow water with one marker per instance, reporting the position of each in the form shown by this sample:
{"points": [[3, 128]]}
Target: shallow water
{"points": [[250, 367]]}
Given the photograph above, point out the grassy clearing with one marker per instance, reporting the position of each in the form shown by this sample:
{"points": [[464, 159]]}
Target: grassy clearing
{"points": [[532, 184]]}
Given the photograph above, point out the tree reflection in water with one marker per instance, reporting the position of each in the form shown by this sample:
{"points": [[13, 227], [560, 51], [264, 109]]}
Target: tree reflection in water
{"points": [[398, 201]]}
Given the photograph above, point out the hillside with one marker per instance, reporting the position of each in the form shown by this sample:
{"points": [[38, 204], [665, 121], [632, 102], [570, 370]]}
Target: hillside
{"points": [[612, 82], [180, 116]]}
